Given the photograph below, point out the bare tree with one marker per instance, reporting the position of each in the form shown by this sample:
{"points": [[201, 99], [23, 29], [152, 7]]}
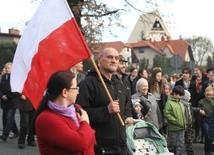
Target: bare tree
{"points": [[202, 48]]}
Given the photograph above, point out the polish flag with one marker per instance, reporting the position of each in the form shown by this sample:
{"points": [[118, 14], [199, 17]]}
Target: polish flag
{"points": [[51, 41]]}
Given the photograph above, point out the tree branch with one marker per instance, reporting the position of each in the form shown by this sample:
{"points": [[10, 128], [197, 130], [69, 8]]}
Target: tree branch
{"points": [[101, 15]]}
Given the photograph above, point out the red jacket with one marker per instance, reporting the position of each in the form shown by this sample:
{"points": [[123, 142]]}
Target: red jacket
{"points": [[59, 135]]}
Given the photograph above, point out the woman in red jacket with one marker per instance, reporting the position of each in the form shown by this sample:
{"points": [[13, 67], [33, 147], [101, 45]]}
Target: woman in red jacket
{"points": [[61, 127]]}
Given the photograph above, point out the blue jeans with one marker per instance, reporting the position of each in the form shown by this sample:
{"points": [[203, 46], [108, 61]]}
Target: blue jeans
{"points": [[10, 121], [207, 144]]}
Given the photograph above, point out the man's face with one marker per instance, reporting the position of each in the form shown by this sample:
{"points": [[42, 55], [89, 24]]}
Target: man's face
{"points": [[8, 69], [122, 67], [109, 60], [197, 72], [209, 95], [186, 75], [211, 76], [79, 67], [144, 74]]}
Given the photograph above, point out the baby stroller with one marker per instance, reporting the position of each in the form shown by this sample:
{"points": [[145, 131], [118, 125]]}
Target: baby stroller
{"points": [[143, 138]]}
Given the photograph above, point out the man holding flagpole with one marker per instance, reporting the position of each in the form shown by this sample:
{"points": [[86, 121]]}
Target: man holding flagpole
{"points": [[110, 134]]}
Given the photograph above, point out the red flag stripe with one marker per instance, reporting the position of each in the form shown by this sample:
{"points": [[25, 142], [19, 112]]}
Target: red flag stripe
{"points": [[56, 52]]}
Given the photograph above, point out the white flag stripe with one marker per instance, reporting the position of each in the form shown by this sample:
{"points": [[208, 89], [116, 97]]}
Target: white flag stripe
{"points": [[33, 34]]}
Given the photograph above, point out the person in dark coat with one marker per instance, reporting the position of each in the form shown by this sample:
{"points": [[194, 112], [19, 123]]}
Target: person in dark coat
{"points": [[9, 102], [121, 72], [197, 87], [210, 140], [185, 80], [27, 114], [110, 134], [133, 78]]}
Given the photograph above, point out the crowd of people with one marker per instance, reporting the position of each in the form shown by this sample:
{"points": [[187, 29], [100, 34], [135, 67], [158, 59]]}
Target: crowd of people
{"points": [[76, 116]]}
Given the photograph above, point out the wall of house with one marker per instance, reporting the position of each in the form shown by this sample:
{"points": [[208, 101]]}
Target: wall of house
{"points": [[145, 23], [167, 53], [8, 39], [147, 54], [176, 64], [126, 52]]}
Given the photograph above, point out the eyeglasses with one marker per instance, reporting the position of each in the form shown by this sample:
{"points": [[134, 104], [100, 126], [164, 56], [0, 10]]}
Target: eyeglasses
{"points": [[77, 88]]}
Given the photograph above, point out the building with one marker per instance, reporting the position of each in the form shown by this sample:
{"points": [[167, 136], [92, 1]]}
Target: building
{"points": [[12, 36], [179, 52], [149, 26]]}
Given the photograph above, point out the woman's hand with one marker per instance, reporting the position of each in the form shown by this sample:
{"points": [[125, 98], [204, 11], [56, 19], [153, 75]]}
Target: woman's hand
{"points": [[83, 116]]}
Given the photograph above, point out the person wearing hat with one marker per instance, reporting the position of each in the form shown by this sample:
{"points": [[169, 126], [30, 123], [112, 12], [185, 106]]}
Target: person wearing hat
{"points": [[121, 70], [121, 73], [122, 76], [137, 108]]}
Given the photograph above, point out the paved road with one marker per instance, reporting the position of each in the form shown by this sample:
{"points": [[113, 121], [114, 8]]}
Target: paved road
{"points": [[198, 149], [10, 146]]}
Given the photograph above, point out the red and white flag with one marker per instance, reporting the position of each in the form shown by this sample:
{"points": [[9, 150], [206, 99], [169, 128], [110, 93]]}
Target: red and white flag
{"points": [[51, 41]]}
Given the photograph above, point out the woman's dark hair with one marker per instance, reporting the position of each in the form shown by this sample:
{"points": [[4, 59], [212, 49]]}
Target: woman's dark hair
{"points": [[140, 72], [152, 81], [56, 83], [187, 70], [132, 69], [178, 90]]}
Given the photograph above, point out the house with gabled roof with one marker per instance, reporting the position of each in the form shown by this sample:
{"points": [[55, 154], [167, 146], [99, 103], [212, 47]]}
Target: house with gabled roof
{"points": [[179, 51], [149, 26]]}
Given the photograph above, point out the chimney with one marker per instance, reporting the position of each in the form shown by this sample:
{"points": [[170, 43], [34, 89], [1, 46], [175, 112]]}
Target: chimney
{"points": [[14, 31]]}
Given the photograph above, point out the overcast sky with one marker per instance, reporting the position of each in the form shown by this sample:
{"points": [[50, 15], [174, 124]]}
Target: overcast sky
{"points": [[183, 17]]}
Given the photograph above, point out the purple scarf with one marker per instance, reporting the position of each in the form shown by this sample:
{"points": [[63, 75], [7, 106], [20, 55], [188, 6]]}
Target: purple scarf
{"points": [[65, 111]]}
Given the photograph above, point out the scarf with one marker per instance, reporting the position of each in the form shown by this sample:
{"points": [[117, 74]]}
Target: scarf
{"points": [[198, 85], [65, 111]]}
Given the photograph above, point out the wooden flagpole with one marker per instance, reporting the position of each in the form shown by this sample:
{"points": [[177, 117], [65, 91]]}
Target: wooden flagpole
{"points": [[106, 89]]}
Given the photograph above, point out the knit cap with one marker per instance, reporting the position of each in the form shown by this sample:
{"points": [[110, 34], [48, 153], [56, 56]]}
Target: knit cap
{"points": [[136, 102], [187, 95]]}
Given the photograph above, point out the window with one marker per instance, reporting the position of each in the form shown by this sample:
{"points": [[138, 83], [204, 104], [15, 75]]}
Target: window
{"points": [[141, 50]]}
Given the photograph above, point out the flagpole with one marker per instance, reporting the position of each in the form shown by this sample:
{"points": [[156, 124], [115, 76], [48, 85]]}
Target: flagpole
{"points": [[106, 89]]}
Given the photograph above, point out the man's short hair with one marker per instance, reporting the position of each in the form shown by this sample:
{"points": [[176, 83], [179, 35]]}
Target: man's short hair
{"points": [[178, 90], [187, 70]]}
